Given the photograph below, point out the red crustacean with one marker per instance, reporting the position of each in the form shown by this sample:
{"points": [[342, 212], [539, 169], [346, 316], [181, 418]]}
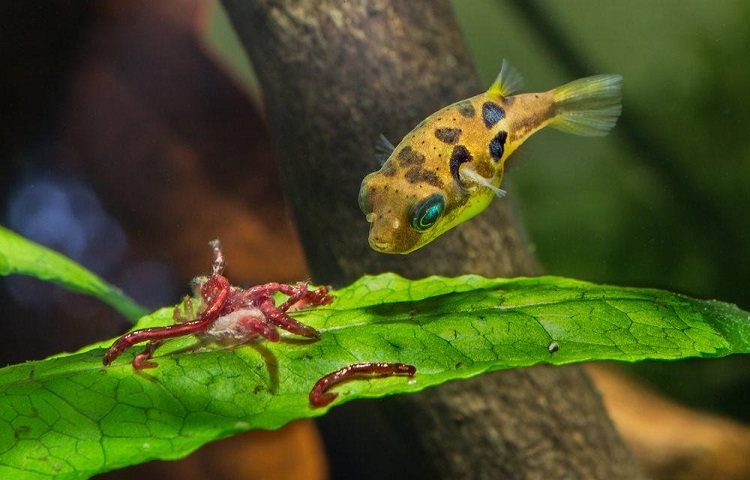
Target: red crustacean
{"points": [[229, 313]]}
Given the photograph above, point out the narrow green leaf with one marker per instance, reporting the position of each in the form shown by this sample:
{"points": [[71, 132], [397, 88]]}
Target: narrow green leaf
{"points": [[19, 255], [71, 417]]}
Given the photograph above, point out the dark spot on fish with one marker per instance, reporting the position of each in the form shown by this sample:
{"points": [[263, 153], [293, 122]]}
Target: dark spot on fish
{"points": [[508, 101], [420, 175], [460, 155], [408, 157], [492, 113], [388, 169], [466, 109], [448, 134], [522, 128], [497, 145]]}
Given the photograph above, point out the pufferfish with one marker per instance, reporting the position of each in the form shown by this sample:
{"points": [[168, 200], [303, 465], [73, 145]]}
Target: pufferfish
{"points": [[450, 166]]}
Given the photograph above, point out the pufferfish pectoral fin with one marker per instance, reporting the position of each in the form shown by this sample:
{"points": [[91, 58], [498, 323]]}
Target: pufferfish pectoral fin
{"points": [[474, 176], [508, 82], [383, 149]]}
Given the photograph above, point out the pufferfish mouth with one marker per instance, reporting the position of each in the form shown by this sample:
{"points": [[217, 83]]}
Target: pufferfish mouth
{"points": [[379, 242], [380, 246], [390, 239], [378, 238]]}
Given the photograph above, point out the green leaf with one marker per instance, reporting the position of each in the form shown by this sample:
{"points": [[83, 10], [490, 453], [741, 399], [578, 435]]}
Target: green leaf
{"points": [[19, 255], [71, 417]]}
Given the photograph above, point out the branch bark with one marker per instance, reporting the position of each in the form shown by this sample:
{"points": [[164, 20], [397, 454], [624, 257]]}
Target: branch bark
{"points": [[335, 74]]}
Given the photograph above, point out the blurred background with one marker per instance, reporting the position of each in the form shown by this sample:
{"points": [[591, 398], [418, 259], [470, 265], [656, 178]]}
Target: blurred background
{"points": [[132, 133]]}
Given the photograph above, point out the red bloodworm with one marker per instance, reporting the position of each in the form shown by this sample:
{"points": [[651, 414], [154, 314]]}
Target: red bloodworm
{"points": [[238, 307], [320, 396], [301, 297], [141, 360], [258, 327], [220, 295], [278, 317]]}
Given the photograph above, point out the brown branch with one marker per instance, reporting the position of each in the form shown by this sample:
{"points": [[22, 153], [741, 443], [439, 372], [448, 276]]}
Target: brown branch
{"points": [[335, 74]]}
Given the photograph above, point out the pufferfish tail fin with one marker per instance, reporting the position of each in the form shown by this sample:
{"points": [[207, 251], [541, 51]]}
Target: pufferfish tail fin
{"points": [[589, 106]]}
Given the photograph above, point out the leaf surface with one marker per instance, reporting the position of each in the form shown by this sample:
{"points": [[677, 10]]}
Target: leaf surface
{"points": [[72, 417], [22, 256]]}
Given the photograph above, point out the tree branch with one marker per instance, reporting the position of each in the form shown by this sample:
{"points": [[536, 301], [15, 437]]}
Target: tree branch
{"points": [[335, 74]]}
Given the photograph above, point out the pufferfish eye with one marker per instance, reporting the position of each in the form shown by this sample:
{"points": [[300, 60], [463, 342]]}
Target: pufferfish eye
{"points": [[364, 203], [426, 213]]}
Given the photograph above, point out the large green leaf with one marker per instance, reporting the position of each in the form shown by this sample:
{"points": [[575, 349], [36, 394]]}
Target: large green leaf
{"points": [[22, 256], [71, 417]]}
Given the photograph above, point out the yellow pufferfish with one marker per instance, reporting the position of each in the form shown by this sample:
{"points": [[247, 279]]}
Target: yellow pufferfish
{"points": [[450, 166]]}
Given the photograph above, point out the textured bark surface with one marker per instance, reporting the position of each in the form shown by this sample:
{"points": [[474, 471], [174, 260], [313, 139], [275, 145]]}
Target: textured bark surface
{"points": [[335, 74]]}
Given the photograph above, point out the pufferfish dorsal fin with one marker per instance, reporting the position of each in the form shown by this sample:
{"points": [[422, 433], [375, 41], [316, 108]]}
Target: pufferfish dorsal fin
{"points": [[508, 82], [383, 149]]}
